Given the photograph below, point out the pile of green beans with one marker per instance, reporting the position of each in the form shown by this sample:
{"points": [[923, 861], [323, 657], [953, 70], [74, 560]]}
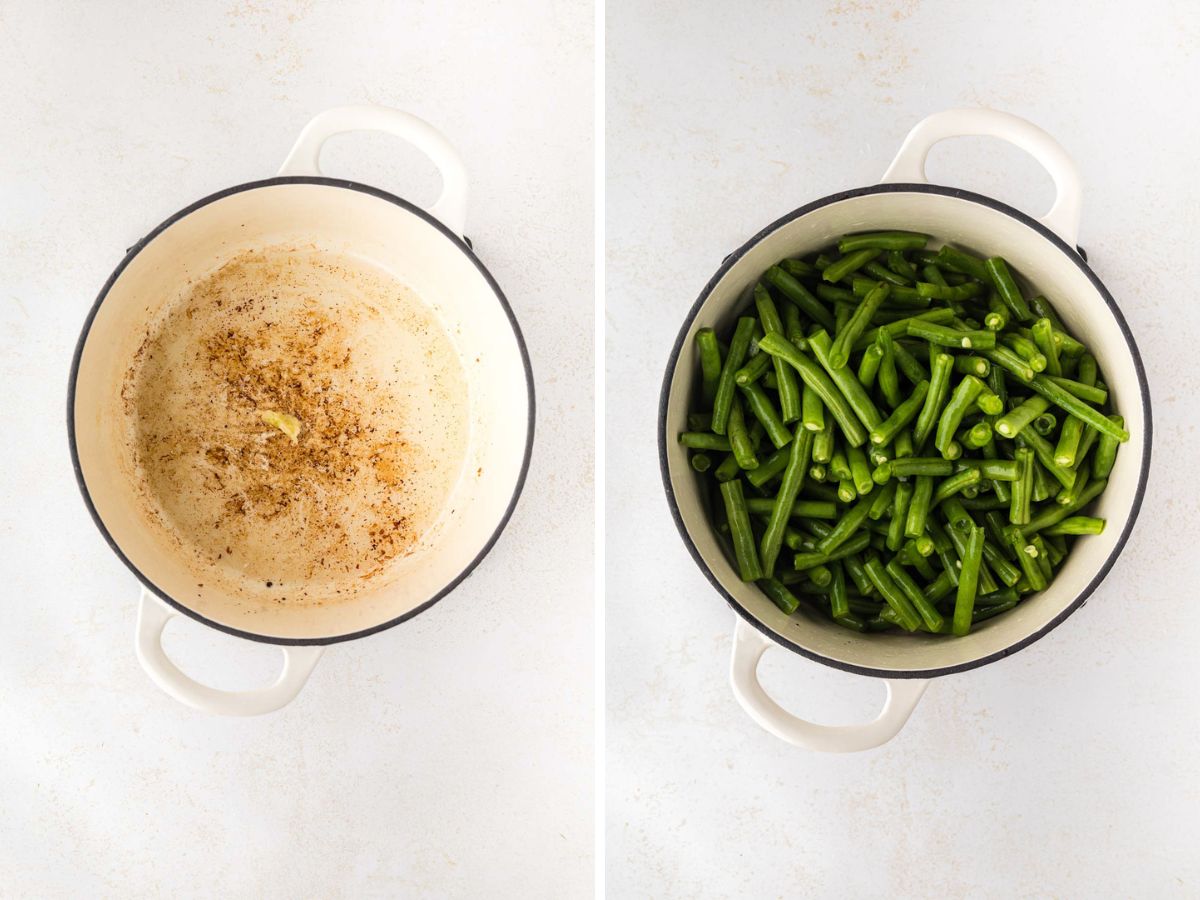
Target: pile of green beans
{"points": [[899, 437]]}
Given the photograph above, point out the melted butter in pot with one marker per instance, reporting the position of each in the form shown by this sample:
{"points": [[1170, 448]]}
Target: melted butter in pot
{"points": [[282, 344]]}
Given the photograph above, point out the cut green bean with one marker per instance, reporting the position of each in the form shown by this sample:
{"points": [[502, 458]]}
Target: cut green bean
{"points": [[839, 352], [944, 336], [887, 430], [779, 594], [798, 294], [704, 440], [883, 240], [909, 619], [789, 489], [968, 582], [1078, 408], [960, 402], [927, 611], [1006, 286], [1022, 488], [1106, 451], [815, 377], [848, 385], [1014, 421], [1077, 525], [918, 508], [1043, 336], [710, 363], [851, 262], [812, 415], [955, 483], [744, 545], [1088, 392], [889, 381], [738, 349]]}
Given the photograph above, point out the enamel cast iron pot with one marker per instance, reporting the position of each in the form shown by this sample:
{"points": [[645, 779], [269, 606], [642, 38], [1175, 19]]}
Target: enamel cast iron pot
{"points": [[1044, 252], [424, 249]]}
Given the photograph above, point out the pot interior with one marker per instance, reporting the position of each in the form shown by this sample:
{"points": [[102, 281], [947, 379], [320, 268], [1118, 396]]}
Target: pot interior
{"points": [[975, 225], [385, 237]]}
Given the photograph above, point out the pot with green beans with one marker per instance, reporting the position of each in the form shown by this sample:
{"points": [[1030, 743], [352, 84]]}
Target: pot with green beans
{"points": [[905, 431]]}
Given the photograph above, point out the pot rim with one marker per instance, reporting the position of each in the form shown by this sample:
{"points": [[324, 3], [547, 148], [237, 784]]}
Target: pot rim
{"points": [[463, 245], [1075, 255]]}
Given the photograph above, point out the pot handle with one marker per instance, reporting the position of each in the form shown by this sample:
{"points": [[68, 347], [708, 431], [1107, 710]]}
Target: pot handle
{"points": [[909, 164], [153, 616], [304, 159], [748, 648]]}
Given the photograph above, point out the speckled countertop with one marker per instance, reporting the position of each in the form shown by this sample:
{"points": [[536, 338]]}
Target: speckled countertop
{"points": [[448, 757], [1067, 770]]}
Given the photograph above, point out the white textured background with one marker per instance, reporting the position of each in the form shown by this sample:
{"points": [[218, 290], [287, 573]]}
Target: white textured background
{"points": [[1067, 770], [448, 757]]}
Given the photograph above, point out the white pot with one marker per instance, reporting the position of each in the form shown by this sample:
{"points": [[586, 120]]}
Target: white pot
{"points": [[423, 249], [1044, 252]]}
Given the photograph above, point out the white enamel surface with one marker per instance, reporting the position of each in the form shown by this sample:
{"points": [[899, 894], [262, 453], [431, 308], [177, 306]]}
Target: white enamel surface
{"points": [[977, 228], [390, 238], [417, 762], [1027, 777]]}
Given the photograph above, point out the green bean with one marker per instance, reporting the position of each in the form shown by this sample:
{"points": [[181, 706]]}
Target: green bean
{"points": [[702, 440], [819, 473], [697, 421], [889, 382], [802, 509], [991, 469], [1042, 557], [793, 326], [823, 444], [902, 446], [1077, 525], [943, 336], [960, 401], [1078, 408], [738, 347], [868, 367], [1026, 554], [839, 601], [883, 273], [754, 369], [701, 462], [728, 469], [813, 376], [764, 411], [779, 594], [1088, 392], [957, 261], [878, 455], [799, 268], [812, 416], [887, 430], [918, 508], [900, 507], [846, 526], [947, 293], [909, 619], [910, 556], [883, 240], [939, 387], [851, 262], [1106, 451], [710, 363], [1045, 424], [1005, 570], [899, 328], [839, 296], [1055, 514], [768, 379], [1026, 349], [921, 465], [1086, 441], [798, 294], [972, 365], [1022, 489], [839, 466], [741, 533], [854, 568], [1006, 286], [839, 352], [901, 266], [977, 436], [1014, 421], [1043, 336], [1045, 454], [1043, 310], [912, 368], [927, 611], [739, 438], [1083, 474], [860, 470], [883, 501], [955, 483], [934, 275], [941, 587], [811, 558], [996, 318], [768, 468], [944, 548], [1006, 358], [789, 392], [789, 489], [968, 582], [1067, 345], [848, 386]]}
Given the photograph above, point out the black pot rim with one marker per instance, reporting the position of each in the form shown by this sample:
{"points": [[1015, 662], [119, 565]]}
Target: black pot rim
{"points": [[1074, 255], [463, 246]]}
